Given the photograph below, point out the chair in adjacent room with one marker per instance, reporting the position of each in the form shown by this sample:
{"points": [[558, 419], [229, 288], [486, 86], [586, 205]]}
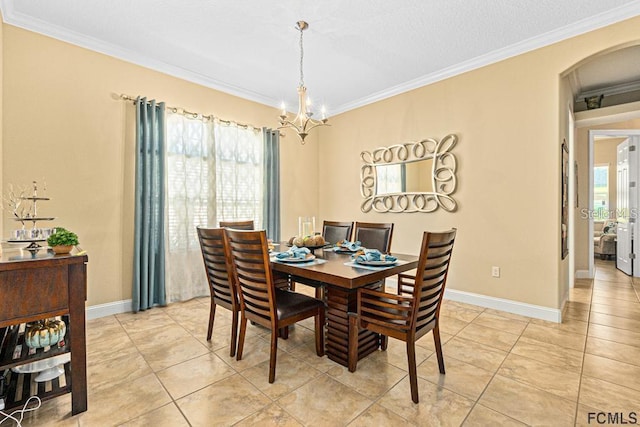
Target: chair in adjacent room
{"points": [[334, 231], [373, 235], [409, 316], [260, 301], [238, 225], [223, 292]]}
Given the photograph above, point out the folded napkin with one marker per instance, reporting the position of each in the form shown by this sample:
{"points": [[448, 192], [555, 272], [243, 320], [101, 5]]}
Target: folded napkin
{"points": [[294, 252], [374, 255], [352, 246]]}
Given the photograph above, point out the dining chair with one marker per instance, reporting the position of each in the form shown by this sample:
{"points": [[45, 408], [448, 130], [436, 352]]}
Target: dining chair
{"points": [[282, 281], [334, 231], [219, 276], [238, 225], [260, 300], [374, 235], [409, 316]]}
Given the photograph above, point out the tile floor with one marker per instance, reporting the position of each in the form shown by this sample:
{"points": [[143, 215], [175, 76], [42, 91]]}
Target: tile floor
{"points": [[156, 368]]}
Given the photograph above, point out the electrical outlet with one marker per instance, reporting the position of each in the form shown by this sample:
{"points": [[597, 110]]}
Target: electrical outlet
{"points": [[495, 271]]}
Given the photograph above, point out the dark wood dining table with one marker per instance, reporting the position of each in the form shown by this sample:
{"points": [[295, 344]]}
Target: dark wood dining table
{"points": [[341, 283]]}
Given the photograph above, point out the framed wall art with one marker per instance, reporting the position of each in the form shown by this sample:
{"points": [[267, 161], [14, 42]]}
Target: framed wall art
{"points": [[564, 201]]}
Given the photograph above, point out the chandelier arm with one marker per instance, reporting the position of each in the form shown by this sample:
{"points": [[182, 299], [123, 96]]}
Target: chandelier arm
{"points": [[315, 125], [288, 125]]}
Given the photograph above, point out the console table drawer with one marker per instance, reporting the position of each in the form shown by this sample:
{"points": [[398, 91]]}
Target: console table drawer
{"points": [[41, 293]]}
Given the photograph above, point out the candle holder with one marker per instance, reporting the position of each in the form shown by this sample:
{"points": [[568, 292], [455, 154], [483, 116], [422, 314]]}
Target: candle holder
{"points": [[306, 226]]}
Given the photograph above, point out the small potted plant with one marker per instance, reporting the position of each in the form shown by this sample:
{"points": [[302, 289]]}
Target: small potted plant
{"points": [[62, 241]]}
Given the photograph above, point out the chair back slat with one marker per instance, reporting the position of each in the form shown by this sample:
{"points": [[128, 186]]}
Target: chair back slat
{"points": [[374, 310], [218, 271], [249, 256], [431, 277], [374, 235], [238, 225]]}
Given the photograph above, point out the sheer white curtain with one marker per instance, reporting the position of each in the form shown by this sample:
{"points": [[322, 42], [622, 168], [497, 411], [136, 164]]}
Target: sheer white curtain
{"points": [[239, 173], [191, 202], [214, 173]]}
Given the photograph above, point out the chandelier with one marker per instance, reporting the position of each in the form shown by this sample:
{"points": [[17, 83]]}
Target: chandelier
{"points": [[302, 123]]}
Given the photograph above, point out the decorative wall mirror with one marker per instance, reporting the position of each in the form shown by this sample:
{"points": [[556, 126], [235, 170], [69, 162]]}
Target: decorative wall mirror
{"points": [[412, 177]]}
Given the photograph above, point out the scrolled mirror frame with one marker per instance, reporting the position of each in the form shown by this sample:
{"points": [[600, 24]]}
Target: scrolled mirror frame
{"points": [[443, 176]]}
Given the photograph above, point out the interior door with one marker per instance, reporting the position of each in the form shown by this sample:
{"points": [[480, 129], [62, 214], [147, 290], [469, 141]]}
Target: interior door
{"points": [[623, 209]]}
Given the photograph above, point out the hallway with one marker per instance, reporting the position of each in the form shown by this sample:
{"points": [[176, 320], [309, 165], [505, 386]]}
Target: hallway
{"points": [[610, 380]]}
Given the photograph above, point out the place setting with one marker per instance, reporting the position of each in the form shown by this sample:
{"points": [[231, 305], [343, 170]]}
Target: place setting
{"points": [[372, 259], [347, 247], [296, 255]]}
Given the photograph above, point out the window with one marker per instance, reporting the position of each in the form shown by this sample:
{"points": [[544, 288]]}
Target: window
{"points": [[389, 179], [601, 192], [214, 173], [239, 174]]}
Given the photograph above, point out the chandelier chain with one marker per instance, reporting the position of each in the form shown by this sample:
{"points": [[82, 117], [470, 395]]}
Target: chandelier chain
{"points": [[301, 58]]}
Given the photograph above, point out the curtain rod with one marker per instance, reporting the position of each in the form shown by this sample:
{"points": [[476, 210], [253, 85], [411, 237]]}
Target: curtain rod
{"points": [[179, 110]]}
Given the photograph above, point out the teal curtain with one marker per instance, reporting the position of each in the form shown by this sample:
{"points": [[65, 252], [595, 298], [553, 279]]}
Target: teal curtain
{"points": [[271, 186], [148, 263], [403, 178]]}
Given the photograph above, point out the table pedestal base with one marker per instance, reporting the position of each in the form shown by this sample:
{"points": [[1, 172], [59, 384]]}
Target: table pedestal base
{"points": [[339, 302]]}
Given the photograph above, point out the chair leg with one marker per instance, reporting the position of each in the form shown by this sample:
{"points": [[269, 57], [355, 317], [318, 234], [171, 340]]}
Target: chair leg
{"points": [[384, 342], [438, 345], [413, 372], [319, 318], [234, 333], [212, 315], [292, 286], [353, 341], [320, 293], [243, 329], [272, 357], [284, 333]]}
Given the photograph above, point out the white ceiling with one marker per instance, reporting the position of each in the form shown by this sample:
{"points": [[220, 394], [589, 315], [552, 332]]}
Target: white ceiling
{"points": [[356, 51]]}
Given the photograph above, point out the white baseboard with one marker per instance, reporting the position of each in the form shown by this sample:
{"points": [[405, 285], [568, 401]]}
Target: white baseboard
{"points": [[103, 310], [583, 274], [515, 307]]}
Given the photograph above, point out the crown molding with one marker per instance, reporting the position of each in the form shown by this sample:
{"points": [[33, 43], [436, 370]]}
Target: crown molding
{"points": [[580, 27], [612, 16], [610, 90]]}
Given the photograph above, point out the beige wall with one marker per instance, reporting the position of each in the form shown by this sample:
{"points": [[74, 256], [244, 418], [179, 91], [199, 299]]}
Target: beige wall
{"points": [[583, 240], [1, 120], [510, 118], [62, 124]]}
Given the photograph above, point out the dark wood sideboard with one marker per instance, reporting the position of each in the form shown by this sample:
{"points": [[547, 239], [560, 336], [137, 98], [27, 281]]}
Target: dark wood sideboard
{"points": [[34, 287]]}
